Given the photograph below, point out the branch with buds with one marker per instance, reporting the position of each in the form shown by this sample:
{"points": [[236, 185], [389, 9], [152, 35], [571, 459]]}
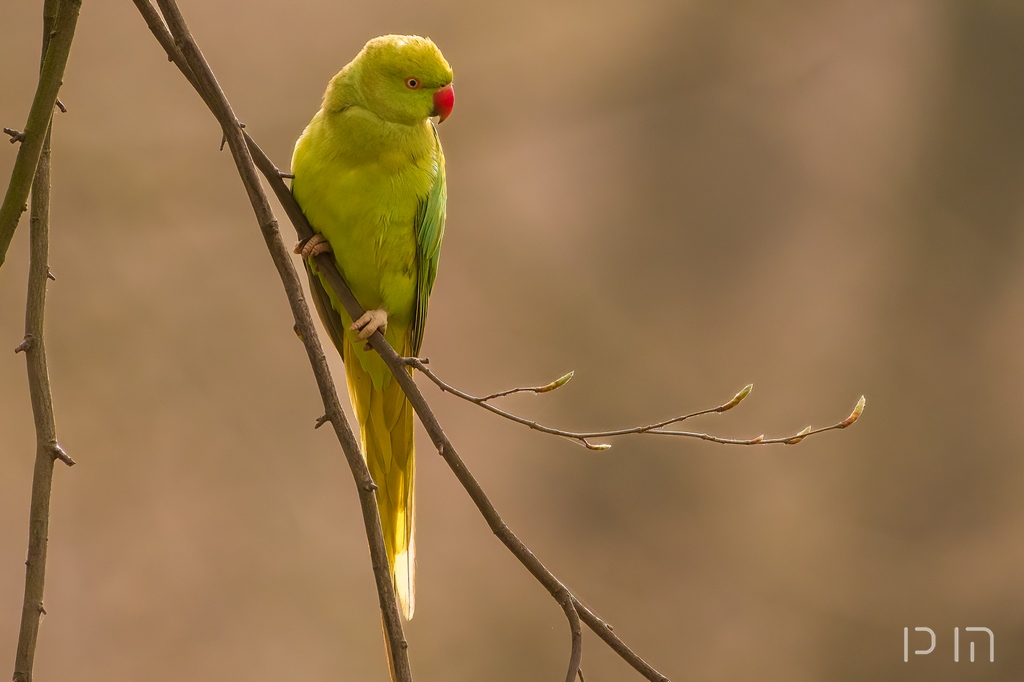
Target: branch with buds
{"points": [[658, 428]]}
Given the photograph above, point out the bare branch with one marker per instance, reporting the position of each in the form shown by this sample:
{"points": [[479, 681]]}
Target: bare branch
{"points": [[56, 57], [47, 448], [181, 49], [658, 428], [16, 135]]}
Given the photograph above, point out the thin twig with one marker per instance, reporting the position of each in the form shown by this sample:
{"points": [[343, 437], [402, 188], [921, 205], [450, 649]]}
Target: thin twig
{"points": [[546, 388], [47, 449], [183, 51], [56, 57], [658, 428]]}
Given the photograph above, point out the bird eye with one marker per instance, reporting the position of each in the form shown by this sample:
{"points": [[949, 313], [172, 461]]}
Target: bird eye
{"points": [[412, 83]]}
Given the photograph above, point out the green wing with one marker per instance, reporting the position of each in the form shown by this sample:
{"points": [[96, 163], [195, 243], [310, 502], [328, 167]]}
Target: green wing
{"points": [[429, 231]]}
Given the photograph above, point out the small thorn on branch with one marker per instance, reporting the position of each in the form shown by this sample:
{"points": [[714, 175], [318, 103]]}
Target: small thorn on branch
{"points": [[321, 420], [60, 105], [58, 453], [25, 344], [371, 487], [16, 135], [287, 176], [49, 275]]}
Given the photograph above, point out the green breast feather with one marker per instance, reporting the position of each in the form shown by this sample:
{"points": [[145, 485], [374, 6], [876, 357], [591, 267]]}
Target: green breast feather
{"points": [[428, 228]]}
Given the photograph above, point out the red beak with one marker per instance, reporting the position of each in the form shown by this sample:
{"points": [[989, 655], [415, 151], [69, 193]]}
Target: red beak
{"points": [[444, 100]]}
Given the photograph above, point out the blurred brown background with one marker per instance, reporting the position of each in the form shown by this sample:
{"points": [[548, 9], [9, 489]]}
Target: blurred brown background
{"points": [[673, 199]]}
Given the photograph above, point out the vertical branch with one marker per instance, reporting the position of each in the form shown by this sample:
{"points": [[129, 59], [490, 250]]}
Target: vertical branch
{"points": [[33, 346], [181, 48], [63, 18]]}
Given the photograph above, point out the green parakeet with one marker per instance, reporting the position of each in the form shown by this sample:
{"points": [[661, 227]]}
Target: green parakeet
{"points": [[369, 175]]}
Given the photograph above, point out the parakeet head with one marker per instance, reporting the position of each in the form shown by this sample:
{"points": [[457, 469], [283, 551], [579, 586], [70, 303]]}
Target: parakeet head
{"points": [[403, 79]]}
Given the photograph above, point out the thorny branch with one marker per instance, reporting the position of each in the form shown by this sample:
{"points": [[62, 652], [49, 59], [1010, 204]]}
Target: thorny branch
{"points": [[658, 428], [181, 48], [55, 58], [47, 448]]}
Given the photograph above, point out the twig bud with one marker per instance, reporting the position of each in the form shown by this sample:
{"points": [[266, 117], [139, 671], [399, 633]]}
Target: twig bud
{"points": [[738, 398], [557, 383], [798, 437], [858, 410]]}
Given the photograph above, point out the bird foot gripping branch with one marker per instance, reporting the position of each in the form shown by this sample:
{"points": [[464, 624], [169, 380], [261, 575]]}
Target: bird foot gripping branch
{"points": [[371, 321], [313, 246]]}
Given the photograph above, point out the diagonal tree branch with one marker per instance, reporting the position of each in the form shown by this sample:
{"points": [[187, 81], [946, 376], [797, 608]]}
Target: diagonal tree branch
{"points": [[47, 449], [182, 49], [58, 37], [397, 365]]}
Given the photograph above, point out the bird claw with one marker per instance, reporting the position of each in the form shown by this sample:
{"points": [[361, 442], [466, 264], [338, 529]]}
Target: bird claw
{"points": [[313, 246], [371, 321]]}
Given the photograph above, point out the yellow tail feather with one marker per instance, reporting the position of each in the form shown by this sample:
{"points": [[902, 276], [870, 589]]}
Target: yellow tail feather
{"points": [[386, 425]]}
